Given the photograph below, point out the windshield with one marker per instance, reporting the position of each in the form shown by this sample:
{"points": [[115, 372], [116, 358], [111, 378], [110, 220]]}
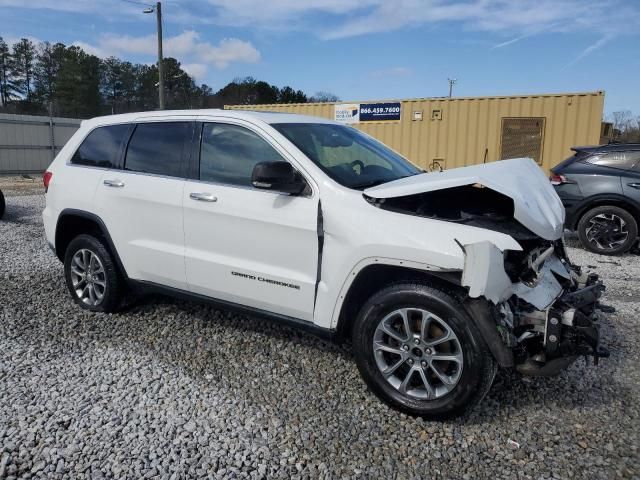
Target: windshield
{"points": [[348, 156]]}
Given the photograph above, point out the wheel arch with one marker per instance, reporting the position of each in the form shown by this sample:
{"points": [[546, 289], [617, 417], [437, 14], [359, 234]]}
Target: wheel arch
{"points": [[378, 273], [374, 274], [72, 222], [614, 200]]}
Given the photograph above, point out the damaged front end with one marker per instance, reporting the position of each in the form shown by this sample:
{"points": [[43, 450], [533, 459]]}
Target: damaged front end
{"points": [[535, 309], [544, 307]]}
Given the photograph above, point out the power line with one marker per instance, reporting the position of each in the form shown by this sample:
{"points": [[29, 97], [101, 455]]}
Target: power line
{"points": [[138, 3]]}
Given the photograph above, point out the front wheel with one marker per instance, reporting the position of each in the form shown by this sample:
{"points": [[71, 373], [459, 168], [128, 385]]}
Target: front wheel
{"points": [[91, 275], [420, 352], [607, 230]]}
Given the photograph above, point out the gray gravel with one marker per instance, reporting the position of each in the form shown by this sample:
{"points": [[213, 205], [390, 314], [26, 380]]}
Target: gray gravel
{"points": [[172, 389]]}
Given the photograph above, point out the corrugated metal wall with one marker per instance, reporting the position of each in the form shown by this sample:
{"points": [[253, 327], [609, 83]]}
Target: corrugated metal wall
{"points": [[471, 128], [29, 143]]}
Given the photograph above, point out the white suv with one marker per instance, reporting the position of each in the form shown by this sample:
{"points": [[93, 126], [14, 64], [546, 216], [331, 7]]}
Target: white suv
{"points": [[437, 278]]}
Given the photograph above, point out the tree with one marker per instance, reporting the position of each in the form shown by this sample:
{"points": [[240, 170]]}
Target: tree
{"points": [[622, 120], [69, 81], [128, 85], [77, 85], [45, 72], [22, 60], [289, 95], [4, 72], [111, 81], [626, 127], [320, 97]]}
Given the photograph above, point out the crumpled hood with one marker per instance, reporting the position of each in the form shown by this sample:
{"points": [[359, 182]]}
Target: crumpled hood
{"points": [[536, 204]]}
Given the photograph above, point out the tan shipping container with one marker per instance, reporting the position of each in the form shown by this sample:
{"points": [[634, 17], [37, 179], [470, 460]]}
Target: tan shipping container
{"points": [[445, 133]]}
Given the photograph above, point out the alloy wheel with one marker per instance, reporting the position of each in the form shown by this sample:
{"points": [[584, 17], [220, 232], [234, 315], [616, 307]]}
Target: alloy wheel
{"points": [[607, 231], [418, 353], [88, 277]]}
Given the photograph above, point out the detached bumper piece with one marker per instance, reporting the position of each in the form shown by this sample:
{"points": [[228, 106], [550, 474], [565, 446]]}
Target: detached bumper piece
{"points": [[569, 331]]}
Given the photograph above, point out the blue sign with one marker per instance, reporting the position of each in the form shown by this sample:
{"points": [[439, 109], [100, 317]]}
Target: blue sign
{"points": [[380, 112]]}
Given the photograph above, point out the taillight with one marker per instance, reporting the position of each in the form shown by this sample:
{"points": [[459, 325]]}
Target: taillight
{"points": [[46, 180], [558, 179]]}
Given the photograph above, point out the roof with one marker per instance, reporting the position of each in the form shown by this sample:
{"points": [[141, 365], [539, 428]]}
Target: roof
{"points": [[262, 116], [596, 93], [609, 147]]}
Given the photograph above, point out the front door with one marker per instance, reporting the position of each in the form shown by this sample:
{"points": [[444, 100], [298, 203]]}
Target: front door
{"points": [[244, 245]]}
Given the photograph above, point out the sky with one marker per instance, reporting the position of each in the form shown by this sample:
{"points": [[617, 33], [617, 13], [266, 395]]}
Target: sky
{"points": [[365, 49]]}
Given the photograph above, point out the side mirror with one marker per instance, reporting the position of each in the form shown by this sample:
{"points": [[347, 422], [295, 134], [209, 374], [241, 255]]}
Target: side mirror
{"points": [[277, 176]]}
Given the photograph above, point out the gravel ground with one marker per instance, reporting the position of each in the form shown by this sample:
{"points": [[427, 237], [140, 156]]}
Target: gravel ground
{"points": [[172, 389]]}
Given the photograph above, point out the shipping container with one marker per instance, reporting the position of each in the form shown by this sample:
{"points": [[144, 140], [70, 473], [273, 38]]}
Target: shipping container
{"points": [[441, 133]]}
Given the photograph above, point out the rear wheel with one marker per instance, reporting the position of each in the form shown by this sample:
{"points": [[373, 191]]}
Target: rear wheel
{"points": [[2, 204], [607, 230], [91, 275], [418, 350]]}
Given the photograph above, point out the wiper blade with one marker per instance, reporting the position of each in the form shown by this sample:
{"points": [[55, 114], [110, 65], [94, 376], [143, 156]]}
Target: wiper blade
{"points": [[372, 183]]}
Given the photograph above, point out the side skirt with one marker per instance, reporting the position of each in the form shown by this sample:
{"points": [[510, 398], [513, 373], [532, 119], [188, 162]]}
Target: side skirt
{"points": [[308, 327]]}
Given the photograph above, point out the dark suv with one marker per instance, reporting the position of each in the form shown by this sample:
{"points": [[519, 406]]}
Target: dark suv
{"points": [[600, 189]]}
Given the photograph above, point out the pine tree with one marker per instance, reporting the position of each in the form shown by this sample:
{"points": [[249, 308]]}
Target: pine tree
{"points": [[22, 63], [112, 81], [45, 72], [4, 72]]}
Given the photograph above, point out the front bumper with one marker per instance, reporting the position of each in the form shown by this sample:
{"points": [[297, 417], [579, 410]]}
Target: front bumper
{"points": [[568, 329]]}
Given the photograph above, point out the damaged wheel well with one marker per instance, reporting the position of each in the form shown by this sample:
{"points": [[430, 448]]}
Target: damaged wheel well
{"points": [[376, 277]]}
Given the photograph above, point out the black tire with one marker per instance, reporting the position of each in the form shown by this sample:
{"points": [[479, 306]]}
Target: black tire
{"points": [[2, 204], [608, 210], [113, 283], [478, 366]]}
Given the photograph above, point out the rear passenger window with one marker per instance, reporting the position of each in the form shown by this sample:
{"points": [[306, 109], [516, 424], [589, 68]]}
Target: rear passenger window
{"points": [[158, 148], [622, 160], [101, 147], [229, 153]]}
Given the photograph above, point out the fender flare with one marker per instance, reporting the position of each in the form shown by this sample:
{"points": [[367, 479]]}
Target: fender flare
{"points": [[366, 262], [72, 212], [477, 308]]}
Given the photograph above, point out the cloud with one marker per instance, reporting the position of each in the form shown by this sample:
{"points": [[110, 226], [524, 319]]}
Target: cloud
{"points": [[533, 32], [347, 18], [186, 46], [590, 49], [509, 21], [196, 70]]}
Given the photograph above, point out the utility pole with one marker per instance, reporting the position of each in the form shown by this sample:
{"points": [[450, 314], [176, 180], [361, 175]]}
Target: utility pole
{"points": [[452, 82], [160, 73]]}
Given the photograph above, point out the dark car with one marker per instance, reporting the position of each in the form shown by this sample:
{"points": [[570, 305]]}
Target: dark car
{"points": [[600, 189]]}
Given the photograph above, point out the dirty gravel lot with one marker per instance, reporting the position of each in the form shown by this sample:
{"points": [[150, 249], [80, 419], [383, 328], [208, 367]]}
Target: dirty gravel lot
{"points": [[172, 389]]}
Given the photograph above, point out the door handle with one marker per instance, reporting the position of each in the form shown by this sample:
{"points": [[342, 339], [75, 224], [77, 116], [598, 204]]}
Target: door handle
{"points": [[203, 197], [114, 183], [634, 185]]}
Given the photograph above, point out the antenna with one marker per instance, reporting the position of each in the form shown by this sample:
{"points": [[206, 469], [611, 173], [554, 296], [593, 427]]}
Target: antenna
{"points": [[452, 82]]}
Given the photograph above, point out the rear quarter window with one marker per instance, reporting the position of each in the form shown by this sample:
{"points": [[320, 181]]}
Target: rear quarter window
{"points": [[619, 160], [101, 148]]}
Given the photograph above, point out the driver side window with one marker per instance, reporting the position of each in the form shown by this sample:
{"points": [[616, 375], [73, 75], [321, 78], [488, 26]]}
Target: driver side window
{"points": [[228, 154]]}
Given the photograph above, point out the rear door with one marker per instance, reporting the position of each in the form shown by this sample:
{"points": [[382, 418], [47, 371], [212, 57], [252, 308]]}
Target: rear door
{"points": [[244, 245], [141, 204]]}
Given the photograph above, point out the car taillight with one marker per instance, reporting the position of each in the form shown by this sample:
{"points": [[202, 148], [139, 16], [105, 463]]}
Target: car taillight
{"points": [[46, 180], [558, 179]]}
